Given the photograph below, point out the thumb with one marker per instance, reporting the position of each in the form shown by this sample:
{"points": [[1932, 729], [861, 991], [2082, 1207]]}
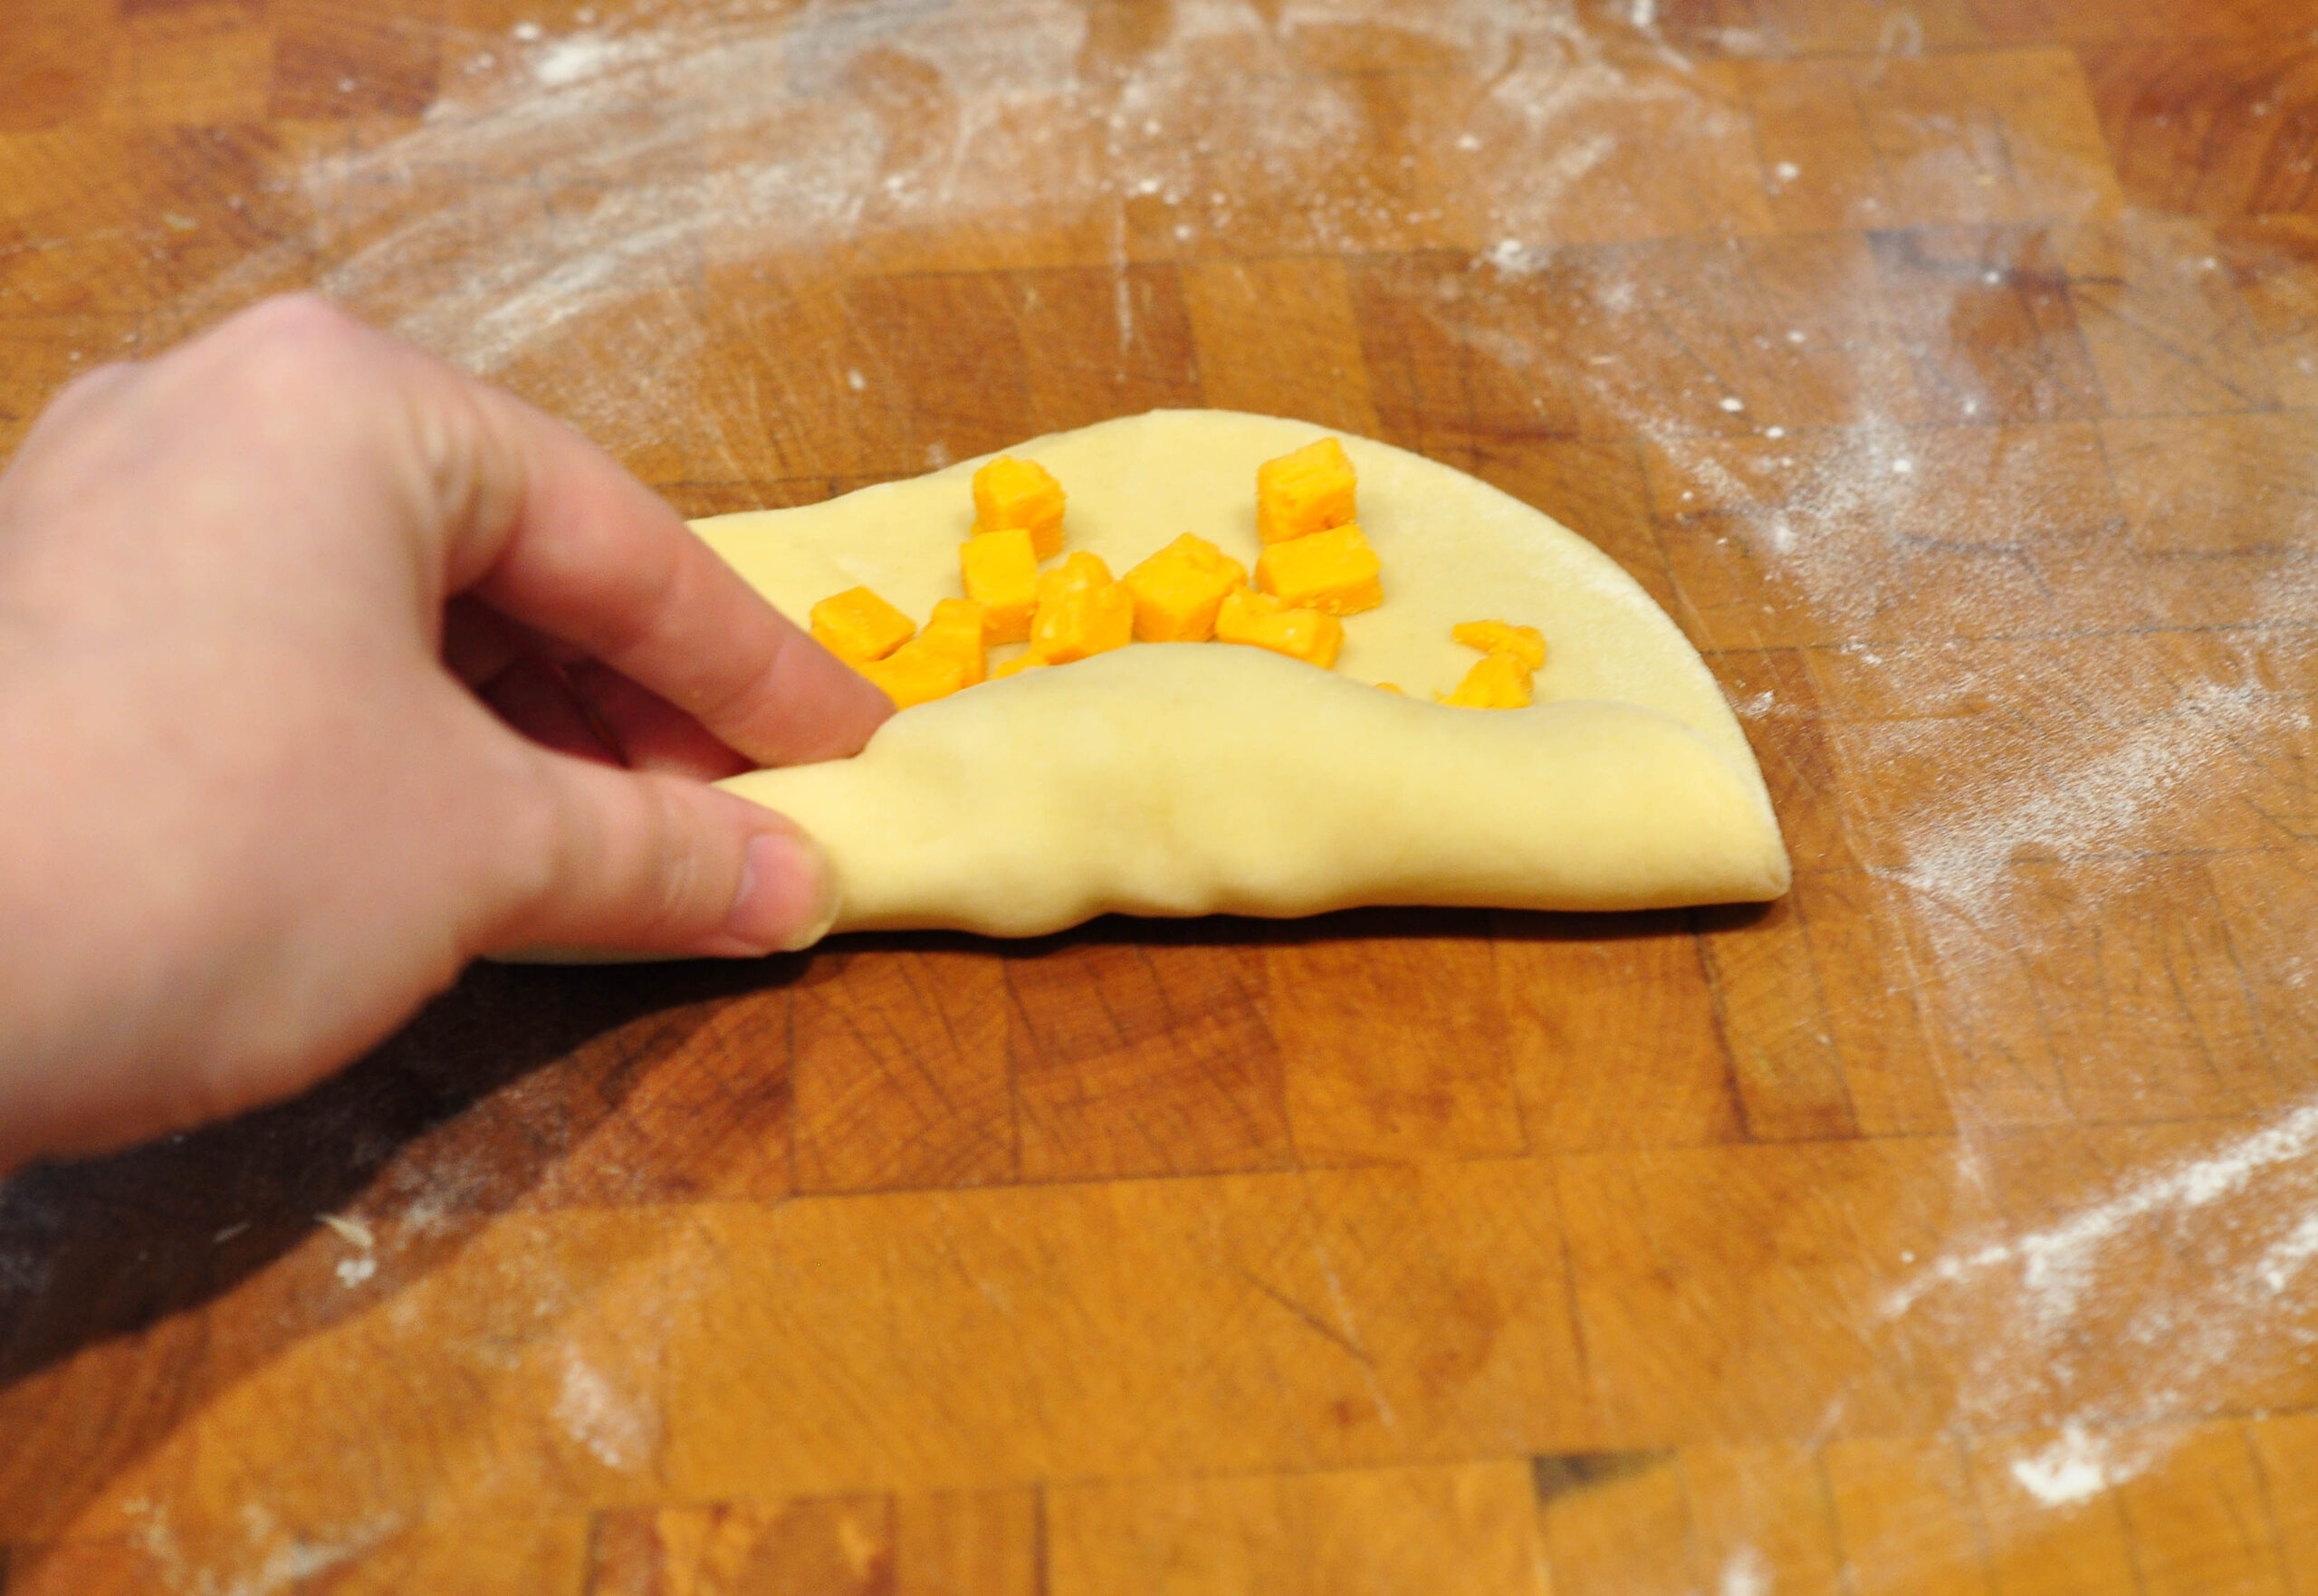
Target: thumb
{"points": [[640, 862]]}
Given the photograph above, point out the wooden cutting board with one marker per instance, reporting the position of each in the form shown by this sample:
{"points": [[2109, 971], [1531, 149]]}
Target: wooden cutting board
{"points": [[1944, 367]]}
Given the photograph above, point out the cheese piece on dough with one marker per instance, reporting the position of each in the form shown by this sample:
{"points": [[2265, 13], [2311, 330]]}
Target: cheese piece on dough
{"points": [[1192, 779]]}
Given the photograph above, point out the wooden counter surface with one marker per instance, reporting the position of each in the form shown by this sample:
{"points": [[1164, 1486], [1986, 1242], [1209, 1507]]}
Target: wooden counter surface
{"points": [[1947, 368]]}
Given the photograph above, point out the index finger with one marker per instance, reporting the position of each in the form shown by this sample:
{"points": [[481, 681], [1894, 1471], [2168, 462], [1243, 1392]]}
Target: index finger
{"points": [[546, 528]]}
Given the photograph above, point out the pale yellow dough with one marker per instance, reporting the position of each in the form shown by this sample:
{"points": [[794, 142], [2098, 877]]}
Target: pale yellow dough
{"points": [[1196, 779]]}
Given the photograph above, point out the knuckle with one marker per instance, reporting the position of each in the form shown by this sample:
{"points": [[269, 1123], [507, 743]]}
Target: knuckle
{"points": [[679, 862], [541, 840], [632, 863], [290, 344], [94, 384], [298, 320]]}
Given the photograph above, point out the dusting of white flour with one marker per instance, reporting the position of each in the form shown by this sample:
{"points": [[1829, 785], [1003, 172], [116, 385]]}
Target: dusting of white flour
{"points": [[619, 1429], [2071, 1469], [2242, 1221]]}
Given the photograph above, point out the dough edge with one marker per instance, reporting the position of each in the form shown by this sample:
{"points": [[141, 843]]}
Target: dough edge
{"points": [[1198, 778]]}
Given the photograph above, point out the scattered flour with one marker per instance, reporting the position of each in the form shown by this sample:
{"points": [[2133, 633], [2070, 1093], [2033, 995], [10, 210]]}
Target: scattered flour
{"points": [[264, 1562], [619, 1429], [2238, 1228], [352, 1272], [567, 61], [1745, 1573], [2056, 1267], [600, 170], [2076, 1466], [350, 1231], [2278, 1268], [2095, 803]]}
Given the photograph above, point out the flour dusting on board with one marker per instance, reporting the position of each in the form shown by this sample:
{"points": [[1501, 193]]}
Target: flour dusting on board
{"points": [[2179, 1272], [1808, 495], [570, 187], [615, 1425], [1745, 1573], [2076, 1466], [1818, 483], [2104, 800], [260, 1560]]}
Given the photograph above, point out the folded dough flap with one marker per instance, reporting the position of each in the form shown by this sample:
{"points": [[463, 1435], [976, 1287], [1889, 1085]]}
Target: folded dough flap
{"points": [[1197, 779]]}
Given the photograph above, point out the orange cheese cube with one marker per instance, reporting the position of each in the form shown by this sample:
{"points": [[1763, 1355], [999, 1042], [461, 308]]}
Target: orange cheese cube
{"points": [[1082, 569], [1081, 612], [913, 674], [1264, 622], [1495, 682], [1016, 666], [1526, 643], [1011, 492], [1333, 571], [857, 625], [1002, 575], [957, 632], [1178, 590], [1392, 687], [1304, 493]]}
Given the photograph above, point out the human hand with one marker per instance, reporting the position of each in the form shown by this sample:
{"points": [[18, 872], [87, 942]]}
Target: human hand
{"points": [[319, 663]]}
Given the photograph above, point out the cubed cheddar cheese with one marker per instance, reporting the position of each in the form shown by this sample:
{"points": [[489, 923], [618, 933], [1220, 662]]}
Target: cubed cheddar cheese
{"points": [[1304, 493], [956, 631], [1011, 492], [1526, 643], [1262, 621], [1495, 682], [914, 674], [857, 625], [1002, 575], [1025, 661], [1178, 590], [1081, 612], [1082, 569], [1333, 571]]}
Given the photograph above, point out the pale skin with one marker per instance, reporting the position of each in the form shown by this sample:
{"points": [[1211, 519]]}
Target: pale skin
{"points": [[325, 669]]}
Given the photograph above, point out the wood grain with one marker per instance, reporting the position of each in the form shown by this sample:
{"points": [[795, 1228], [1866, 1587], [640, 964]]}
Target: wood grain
{"points": [[1948, 372]]}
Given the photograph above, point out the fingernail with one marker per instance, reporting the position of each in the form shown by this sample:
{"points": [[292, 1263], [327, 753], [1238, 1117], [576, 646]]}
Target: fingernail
{"points": [[788, 895]]}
